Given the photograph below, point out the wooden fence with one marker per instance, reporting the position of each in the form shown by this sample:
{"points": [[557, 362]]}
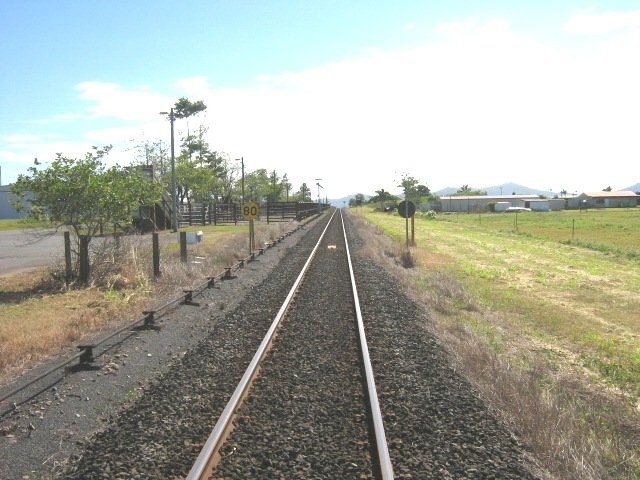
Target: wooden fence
{"points": [[224, 213]]}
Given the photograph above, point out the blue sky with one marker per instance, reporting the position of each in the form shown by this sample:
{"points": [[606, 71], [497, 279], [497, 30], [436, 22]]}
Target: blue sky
{"points": [[358, 93]]}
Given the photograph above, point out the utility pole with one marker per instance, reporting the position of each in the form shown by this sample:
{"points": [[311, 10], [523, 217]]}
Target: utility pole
{"points": [[319, 187], [242, 167], [174, 216], [174, 193]]}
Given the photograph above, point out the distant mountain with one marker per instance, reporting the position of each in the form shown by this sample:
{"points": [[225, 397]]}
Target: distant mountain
{"points": [[633, 188], [504, 189], [344, 201], [445, 192], [510, 188]]}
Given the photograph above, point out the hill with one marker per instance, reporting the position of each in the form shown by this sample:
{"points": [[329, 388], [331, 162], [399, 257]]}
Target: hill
{"points": [[344, 201], [504, 189]]}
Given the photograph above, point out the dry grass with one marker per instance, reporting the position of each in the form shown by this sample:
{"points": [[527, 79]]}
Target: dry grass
{"points": [[41, 316], [576, 424]]}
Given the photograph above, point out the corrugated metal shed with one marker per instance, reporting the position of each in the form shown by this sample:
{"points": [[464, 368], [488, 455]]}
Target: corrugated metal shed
{"points": [[480, 203], [619, 199]]}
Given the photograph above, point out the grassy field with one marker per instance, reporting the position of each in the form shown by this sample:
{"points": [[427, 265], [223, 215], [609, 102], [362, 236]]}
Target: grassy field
{"points": [[566, 297], [556, 292], [614, 231]]}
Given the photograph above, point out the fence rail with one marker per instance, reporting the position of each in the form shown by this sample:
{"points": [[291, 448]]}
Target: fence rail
{"points": [[224, 213]]}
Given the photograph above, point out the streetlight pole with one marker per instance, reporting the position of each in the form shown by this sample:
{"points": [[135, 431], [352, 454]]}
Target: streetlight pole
{"points": [[242, 164], [174, 219], [174, 195]]}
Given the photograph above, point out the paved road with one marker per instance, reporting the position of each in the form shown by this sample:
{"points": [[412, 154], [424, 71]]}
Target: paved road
{"points": [[27, 249]]}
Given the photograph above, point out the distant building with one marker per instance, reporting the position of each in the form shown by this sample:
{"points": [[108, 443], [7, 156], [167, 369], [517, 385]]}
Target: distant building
{"points": [[620, 199], [480, 203], [8, 211], [500, 203], [538, 205]]}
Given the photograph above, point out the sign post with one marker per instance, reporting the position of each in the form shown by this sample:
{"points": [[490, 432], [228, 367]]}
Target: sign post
{"points": [[407, 210], [250, 211]]}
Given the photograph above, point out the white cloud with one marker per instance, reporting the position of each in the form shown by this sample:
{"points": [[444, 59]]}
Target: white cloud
{"points": [[485, 105], [110, 100], [21, 139], [456, 27], [595, 24], [481, 104], [193, 87]]}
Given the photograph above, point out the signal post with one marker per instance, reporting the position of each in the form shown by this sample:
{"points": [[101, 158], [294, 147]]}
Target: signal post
{"points": [[250, 211]]}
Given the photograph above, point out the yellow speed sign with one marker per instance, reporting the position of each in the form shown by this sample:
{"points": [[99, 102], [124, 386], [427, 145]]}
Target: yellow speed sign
{"points": [[250, 210]]}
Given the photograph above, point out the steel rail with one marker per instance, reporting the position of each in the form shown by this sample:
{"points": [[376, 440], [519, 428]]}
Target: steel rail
{"points": [[204, 463], [384, 461]]}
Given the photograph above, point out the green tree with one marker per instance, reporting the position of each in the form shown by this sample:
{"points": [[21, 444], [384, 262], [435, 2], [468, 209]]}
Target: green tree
{"points": [[423, 191], [83, 194], [185, 108], [258, 184], [466, 191], [276, 187], [286, 186], [226, 173], [200, 172], [413, 189], [153, 154], [409, 186], [381, 197], [304, 193]]}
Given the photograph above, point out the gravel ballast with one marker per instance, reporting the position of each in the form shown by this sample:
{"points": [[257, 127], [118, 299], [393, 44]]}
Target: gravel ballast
{"points": [[146, 413], [306, 415]]}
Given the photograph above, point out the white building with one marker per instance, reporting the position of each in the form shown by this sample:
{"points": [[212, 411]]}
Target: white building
{"points": [[480, 203], [620, 199]]}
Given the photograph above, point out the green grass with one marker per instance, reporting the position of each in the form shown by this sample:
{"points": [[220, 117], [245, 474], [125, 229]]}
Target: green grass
{"points": [[568, 296], [19, 224], [546, 326], [614, 230]]}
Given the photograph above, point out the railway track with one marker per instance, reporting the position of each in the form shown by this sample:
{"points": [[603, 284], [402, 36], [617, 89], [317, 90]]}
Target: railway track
{"points": [[330, 424], [305, 415]]}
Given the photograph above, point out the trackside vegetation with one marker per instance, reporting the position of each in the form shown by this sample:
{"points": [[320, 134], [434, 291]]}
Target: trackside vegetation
{"points": [[42, 315], [83, 193], [541, 311]]}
